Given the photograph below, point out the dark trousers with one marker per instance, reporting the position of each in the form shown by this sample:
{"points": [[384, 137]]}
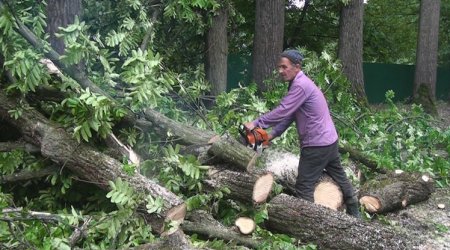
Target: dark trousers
{"points": [[313, 160]]}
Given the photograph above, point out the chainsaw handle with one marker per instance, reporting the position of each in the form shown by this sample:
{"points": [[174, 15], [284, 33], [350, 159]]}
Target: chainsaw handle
{"points": [[243, 134]]}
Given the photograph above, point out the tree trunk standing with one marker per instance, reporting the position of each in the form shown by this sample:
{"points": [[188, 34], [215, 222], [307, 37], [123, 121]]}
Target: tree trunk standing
{"points": [[268, 39], [217, 52], [351, 46], [61, 13], [327, 228], [426, 60]]}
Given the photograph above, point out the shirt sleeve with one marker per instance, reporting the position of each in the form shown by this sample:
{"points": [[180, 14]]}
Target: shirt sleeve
{"points": [[282, 126], [285, 110]]}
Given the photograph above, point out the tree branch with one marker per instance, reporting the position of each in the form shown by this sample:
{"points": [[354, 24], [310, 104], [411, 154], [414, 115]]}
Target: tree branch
{"points": [[29, 174], [18, 145]]}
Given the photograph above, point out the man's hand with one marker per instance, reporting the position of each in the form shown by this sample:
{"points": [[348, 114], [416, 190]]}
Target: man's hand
{"points": [[249, 125]]}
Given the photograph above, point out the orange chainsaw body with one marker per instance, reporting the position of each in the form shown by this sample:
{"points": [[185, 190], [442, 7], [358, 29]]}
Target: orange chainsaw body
{"points": [[257, 138]]}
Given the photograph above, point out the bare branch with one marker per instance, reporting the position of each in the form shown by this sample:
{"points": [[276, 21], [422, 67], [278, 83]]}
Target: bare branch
{"points": [[18, 145], [29, 174]]}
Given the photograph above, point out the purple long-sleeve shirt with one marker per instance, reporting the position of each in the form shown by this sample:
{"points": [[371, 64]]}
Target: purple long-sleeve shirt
{"points": [[306, 105]]}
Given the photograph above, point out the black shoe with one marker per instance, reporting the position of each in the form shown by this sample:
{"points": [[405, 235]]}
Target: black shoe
{"points": [[353, 209]]}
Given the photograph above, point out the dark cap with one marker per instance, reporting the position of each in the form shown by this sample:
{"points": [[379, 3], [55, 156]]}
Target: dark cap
{"points": [[293, 55]]}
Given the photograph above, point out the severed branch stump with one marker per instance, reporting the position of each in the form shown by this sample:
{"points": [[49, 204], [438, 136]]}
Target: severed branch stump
{"points": [[202, 223], [329, 229], [395, 190]]}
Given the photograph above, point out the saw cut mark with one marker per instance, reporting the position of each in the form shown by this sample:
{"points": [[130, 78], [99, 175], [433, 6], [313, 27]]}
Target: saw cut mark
{"points": [[245, 225], [329, 195], [177, 213], [262, 188]]}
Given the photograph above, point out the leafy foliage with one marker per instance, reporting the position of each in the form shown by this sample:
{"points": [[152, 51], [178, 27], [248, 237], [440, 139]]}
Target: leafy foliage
{"points": [[107, 46]]}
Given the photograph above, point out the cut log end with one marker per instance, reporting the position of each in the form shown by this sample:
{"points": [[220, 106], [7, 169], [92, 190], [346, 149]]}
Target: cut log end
{"points": [[329, 195], [371, 204], [214, 139], [177, 213], [245, 225], [262, 188]]}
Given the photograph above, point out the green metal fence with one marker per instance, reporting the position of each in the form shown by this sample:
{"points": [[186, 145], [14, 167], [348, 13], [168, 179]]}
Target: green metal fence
{"points": [[378, 78]]}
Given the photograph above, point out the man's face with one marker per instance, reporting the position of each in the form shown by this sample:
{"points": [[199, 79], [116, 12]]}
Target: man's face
{"points": [[287, 69]]}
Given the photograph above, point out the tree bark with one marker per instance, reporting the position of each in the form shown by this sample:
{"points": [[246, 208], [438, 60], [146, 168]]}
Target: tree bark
{"points": [[329, 229], [351, 46], [25, 175], [229, 150], [202, 223], [84, 160], [360, 157], [240, 184], [174, 241], [217, 51], [268, 39], [394, 191], [427, 55], [61, 13]]}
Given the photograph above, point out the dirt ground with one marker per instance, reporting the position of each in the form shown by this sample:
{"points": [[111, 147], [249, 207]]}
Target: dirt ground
{"points": [[428, 224]]}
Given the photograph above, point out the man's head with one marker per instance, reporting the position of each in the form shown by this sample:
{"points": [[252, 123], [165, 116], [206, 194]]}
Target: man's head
{"points": [[289, 64]]}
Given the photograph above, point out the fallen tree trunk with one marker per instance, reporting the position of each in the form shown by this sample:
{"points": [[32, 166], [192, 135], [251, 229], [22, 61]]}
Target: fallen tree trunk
{"points": [[329, 229], [358, 156], [202, 223], [240, 184], [85, 161], [243, 187], [182, 133], [395, 190]]}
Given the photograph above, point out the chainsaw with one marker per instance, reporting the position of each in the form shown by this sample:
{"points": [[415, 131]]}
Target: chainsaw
{"points": [[257, 138]]}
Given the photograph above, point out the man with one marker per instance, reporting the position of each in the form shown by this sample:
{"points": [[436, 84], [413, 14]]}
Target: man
{"points": [[306, 105]]}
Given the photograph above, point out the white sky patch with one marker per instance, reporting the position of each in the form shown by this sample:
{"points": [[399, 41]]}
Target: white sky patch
{"points": [[298, 3]]}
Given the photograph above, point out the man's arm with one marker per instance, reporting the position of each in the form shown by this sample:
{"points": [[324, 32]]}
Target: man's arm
{"points": [[285, 110], [281, 127]]}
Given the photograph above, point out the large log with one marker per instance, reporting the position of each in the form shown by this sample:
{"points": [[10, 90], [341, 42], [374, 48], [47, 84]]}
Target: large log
{"points": [[230, 150], [395, 190], [329, 229], [96, 167], [240, 184], [284, 165]]}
